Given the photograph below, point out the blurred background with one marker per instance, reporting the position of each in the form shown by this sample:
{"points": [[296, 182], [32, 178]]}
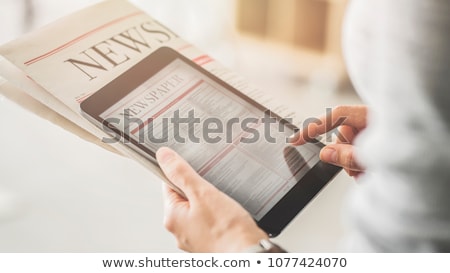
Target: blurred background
{"points": [[59, 193]]}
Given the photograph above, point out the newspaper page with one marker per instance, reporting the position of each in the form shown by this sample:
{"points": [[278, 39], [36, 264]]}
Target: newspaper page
{"points": [[28, 102], [70, 59]]}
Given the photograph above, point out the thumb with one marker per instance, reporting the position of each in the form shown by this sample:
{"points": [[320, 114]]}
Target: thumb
{"points": [[179, 172], [341, 155]]}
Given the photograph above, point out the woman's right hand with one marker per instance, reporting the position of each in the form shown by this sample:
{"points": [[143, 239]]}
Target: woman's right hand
{"points": [[350, 121]]}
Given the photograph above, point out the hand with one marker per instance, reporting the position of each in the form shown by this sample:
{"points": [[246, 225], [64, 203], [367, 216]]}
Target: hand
{"points": [[351, 120], [207, 220]]}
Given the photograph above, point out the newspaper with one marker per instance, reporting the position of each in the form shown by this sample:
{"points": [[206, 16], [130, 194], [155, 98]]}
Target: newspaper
{"points": [[52, 70]]}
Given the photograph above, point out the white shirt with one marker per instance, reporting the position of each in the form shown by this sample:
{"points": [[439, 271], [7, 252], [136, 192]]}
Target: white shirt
{"points": [[398, 56]]}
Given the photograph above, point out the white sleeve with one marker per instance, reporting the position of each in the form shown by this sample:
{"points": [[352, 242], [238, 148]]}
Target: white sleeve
{"points": [[398, 54]]}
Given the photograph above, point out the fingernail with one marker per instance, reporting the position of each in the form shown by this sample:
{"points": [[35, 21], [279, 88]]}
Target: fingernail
{"points": [[293, 138], [164, 155], [328, 155]]}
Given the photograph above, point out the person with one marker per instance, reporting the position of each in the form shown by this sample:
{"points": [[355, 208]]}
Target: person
{"points": [[398, 57]]}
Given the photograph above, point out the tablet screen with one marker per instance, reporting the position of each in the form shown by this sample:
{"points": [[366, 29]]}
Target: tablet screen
{"points": [[226, 138]]}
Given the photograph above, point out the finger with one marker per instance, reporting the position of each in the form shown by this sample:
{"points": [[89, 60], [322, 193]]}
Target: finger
{"points": [[180, 173], [354, 174], [175, 207], [353, 116], [340, 155], [346, 134], [171, 197]]}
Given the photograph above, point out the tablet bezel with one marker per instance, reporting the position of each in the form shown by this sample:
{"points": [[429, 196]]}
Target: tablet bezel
{"points": [[281, 213]]}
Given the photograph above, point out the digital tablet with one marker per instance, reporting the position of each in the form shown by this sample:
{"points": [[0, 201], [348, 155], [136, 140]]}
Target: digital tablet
{"points": [[231, 140]]}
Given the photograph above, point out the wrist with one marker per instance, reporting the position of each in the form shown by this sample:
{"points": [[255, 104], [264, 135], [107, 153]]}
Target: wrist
{"points": [[244, 241]]}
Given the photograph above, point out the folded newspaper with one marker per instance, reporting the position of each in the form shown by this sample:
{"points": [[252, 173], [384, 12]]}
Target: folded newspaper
{"points": [[52, 70]]}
